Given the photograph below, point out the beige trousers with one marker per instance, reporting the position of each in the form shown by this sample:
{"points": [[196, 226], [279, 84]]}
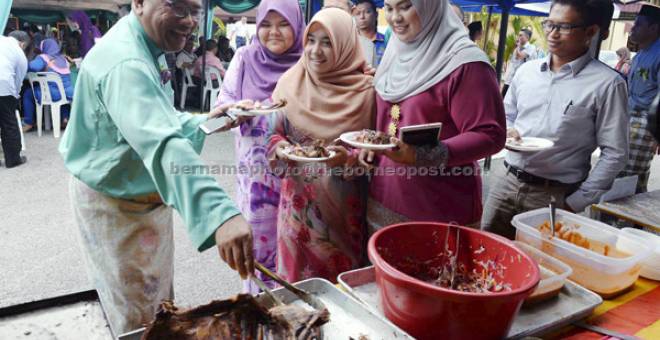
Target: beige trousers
{"points": [[129, 252], [510, 197]]}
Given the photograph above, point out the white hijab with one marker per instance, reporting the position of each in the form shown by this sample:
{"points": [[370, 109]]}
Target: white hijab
{"points": [[443, 45]]}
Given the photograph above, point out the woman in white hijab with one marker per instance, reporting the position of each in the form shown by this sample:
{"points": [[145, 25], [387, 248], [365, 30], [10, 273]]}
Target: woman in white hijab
{"points": [[432, 72]]}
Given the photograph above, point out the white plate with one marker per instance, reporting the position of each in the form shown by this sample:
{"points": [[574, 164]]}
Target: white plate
{"points": [[254, 113], [309, 160], [529, 144], [349, 138]]}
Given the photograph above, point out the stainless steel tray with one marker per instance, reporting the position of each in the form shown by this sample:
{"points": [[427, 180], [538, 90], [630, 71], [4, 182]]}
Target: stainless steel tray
{"points": [[573, 303], [348, 317]]}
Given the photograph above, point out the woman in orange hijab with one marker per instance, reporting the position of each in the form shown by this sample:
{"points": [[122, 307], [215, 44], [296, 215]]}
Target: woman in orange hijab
{"points": [[320, 228]]}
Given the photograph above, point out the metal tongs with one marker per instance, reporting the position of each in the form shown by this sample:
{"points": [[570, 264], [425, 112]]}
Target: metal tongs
{"points": [[552, 214], [455, 259], [303, 295], [262, 285]]}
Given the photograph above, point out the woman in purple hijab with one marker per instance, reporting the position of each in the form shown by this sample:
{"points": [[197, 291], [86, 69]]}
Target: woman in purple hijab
{"points": [[51, 60], [253, 74], [88, 32]]}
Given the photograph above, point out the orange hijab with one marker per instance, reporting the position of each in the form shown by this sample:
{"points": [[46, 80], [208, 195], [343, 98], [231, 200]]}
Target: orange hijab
{"points": [[341, 100]]}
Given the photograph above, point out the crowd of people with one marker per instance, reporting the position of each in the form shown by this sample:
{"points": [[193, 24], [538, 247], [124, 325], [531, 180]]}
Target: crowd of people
{"points": [[62, 52], [40, 51], [337, 74]]}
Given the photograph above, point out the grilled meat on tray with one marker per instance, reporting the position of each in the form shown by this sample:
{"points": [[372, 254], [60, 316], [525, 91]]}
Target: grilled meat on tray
{"points": [[241, 317]]}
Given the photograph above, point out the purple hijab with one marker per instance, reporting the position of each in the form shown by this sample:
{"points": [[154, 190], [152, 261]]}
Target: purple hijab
{"points": [[260, 68], [88, 32], [51, 53]]}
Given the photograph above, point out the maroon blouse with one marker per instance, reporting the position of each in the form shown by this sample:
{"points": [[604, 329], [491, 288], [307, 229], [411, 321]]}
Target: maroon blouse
{"points": [[469, 104]]}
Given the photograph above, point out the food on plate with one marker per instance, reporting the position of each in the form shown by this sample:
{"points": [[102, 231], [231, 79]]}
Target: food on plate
{"points": [[361, 337], [372, 137], [313, 150], [257, 105], [520, 143], [514, 141], [241, 317]]}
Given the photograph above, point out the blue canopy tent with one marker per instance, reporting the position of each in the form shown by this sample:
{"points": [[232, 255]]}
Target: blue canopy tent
{"points": [[504, 7], [469, 6], [475, 6]]}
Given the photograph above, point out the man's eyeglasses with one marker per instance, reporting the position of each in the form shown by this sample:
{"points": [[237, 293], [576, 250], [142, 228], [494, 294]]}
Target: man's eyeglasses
{"points": [[549, 26], [182, 11]]}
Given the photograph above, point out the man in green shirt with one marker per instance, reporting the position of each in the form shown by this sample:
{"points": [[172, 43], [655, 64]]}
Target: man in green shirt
{"points": [[133, 156]]}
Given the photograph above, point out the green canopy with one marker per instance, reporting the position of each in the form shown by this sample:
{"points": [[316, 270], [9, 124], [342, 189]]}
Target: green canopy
{"points": [[235, 6], [70, 5], [38, 17], [43, 17]]}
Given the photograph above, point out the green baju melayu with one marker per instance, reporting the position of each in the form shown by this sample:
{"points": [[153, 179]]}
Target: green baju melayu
{"points": [[125, 144]]}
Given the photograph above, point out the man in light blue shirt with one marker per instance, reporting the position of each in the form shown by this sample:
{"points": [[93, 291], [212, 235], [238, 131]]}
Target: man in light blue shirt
{"points": [[643, 82], [13, 67], [373, 43], [576, 102], [522, 53], [133, 156]]}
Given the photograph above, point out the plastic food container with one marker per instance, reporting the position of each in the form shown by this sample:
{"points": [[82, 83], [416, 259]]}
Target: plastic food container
{"points": [[650, 266], [553, 274], [427, 311], [605, 275]]}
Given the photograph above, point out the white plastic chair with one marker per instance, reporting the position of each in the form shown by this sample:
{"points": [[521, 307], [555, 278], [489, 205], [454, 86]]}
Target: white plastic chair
{"points": [[212, 91], [43, 79], [186, 84]]}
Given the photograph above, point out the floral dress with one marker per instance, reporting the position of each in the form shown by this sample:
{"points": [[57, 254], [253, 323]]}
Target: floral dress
{"points": [[257, 193], [320, 224]]}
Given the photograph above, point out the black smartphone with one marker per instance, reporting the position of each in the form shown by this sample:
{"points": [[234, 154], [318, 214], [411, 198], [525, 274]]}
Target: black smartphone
{"points": [[418, 135]]}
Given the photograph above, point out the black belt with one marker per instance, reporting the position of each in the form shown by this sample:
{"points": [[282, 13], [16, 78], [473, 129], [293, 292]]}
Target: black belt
{"points": [[528, 178]]}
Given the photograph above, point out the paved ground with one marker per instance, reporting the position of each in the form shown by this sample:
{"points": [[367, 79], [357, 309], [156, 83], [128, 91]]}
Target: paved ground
{"points": [[39, 256]]}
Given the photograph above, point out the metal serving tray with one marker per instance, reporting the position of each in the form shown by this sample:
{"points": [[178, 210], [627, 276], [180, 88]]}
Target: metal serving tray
{"points": [[73, 316], [349, 319], [573, 303]]}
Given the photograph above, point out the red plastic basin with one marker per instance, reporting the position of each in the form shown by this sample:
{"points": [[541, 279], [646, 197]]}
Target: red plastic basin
{"points": [[427, 311]]}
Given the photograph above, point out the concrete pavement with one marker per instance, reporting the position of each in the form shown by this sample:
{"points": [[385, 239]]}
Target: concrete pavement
{"points": [[39, 254]]}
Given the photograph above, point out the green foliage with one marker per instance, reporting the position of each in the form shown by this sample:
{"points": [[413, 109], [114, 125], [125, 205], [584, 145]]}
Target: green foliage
{"points": [[516, 23]]}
